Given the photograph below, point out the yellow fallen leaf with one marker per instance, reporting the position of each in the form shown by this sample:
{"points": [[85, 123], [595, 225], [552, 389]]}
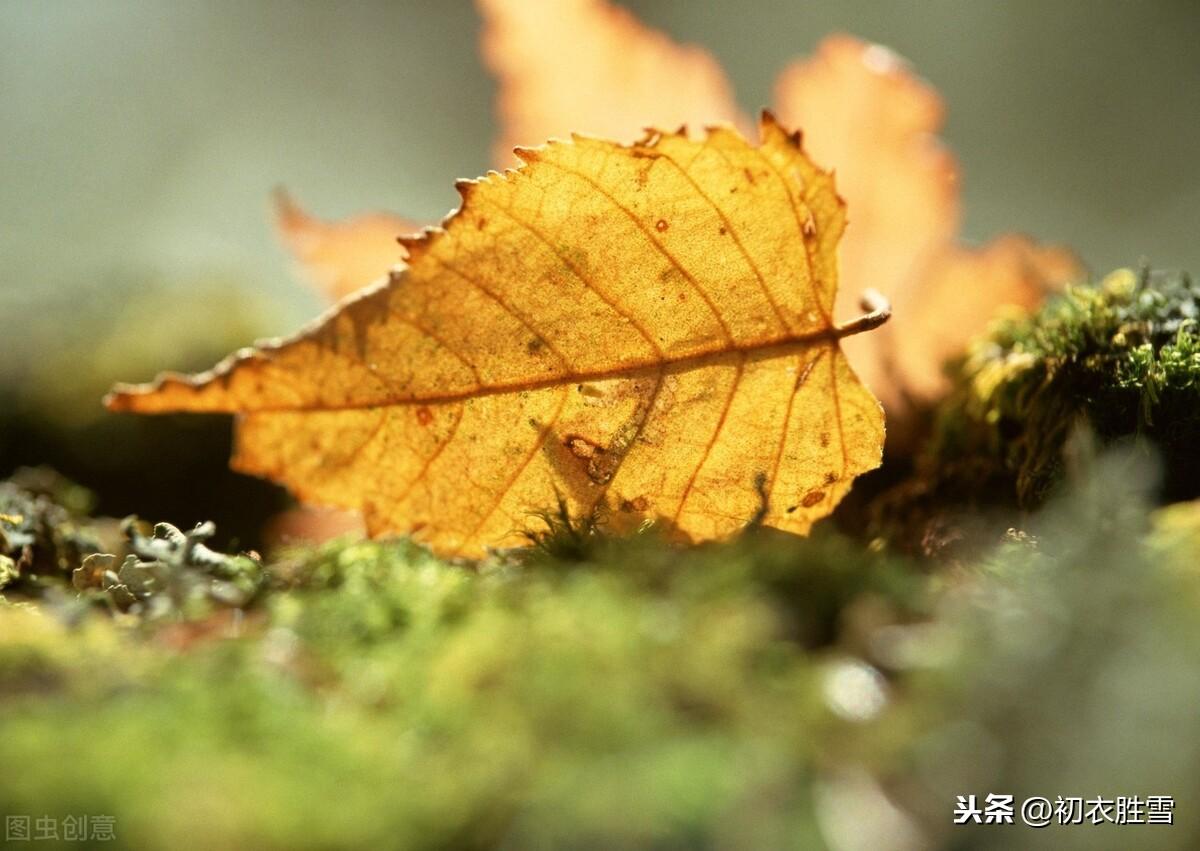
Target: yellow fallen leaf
{"points": [[342, 257], [642, 330]]}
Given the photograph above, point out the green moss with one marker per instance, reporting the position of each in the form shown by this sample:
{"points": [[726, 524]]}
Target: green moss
{"points": [[1121, 357], [379, 697], [761, 693]]}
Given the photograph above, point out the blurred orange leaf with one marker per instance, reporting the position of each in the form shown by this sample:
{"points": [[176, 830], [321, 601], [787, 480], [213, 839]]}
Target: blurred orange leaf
{"points": [[308, 524], [341, 257], [582, 66], [866, 114], [640, 330]]}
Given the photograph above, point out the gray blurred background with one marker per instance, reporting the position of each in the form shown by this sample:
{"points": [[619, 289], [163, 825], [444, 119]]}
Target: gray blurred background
{"points": [[141, 140], [145, 135]]}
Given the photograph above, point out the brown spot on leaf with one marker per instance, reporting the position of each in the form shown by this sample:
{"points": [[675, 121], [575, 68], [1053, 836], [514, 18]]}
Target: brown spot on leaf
{"points": [[661, 225], [424, 415], [638, 505], [600, 463], [600, 469], [581, 447], [812, 498]]}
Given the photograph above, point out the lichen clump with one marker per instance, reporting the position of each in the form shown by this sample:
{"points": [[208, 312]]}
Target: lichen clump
{"points": [[1120, 358], [40, 529]]}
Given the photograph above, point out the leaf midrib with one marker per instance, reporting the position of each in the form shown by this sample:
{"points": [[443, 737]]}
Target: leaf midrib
{"points": [[784, 343]]}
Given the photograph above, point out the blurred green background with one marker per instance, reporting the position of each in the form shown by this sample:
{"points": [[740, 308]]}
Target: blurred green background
{"points": [[141, 139]]}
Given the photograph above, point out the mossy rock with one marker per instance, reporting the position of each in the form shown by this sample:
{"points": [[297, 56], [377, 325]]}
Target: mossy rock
{"points": [[1118, 360]]}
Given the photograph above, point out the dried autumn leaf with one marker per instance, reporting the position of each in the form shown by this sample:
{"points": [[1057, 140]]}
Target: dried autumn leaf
{"points": [[642, 329], [342, 257]]}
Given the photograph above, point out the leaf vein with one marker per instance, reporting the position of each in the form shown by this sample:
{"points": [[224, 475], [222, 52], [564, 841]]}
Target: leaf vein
{"points": [[712, 441], [433, 456], [512, 480], [732, 231], [812, 273], [801, 380], [504, 305], [658, 246], [605, 297], [637, 433]]}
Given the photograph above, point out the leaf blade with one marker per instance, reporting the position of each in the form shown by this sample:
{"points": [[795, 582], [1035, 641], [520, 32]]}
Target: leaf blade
{"points": [[603, 324]]}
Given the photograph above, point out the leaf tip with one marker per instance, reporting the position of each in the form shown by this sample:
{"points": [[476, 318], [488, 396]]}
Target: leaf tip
{"points": [[291, 220], [116, 400], [768, 124], [527, 155], [464, 188], [126, 398], [414, 244]]}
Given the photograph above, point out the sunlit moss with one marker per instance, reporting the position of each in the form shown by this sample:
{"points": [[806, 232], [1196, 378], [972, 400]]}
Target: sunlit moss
{"points": [[1121, 358]]}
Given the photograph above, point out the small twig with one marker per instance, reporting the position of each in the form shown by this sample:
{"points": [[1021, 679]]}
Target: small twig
{"points": [[879, 311]]}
